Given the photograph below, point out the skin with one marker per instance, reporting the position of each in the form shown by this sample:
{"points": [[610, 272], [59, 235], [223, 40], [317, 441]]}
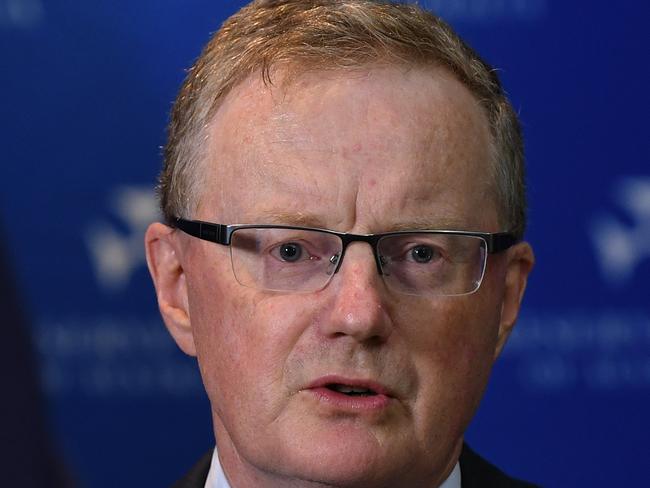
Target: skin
{"points": [[370, 151]]}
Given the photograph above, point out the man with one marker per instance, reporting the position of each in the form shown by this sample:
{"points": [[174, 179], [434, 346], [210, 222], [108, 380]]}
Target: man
{"points": [[344, 205]]}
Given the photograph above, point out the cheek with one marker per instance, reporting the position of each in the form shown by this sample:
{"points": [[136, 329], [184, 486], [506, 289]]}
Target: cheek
{"points": [[244, 339], [453, 330], [452, 352]]}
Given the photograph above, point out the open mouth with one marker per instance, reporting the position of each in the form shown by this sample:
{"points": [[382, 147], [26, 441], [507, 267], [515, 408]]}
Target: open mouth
{"points": [[350, 390]]}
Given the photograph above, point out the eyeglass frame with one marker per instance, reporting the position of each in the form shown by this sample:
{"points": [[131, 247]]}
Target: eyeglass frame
{"points": [[495, 242]]}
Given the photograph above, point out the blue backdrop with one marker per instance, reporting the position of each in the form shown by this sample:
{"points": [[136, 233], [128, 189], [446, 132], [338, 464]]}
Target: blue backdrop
{"points": [[86, 89]]}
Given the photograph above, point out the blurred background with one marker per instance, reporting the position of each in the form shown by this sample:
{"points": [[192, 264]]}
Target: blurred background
{"points": [[94, 391]]}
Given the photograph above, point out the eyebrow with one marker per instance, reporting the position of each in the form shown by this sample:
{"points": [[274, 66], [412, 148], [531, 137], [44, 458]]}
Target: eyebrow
{"points": [[300, 219], [434, 223]]}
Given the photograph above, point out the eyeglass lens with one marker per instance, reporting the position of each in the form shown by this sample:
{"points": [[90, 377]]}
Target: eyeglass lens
{"points": [[304, 260], [432, 264]]}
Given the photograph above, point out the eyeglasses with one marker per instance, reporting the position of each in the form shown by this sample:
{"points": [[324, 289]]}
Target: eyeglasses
{"points": [[301, 259]]}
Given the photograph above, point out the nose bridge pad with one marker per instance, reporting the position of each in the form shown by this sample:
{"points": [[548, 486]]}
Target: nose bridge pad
{"points": [[337, 260]]}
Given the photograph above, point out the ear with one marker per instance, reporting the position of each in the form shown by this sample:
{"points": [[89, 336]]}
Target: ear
{"points": [[164, 261], [520, 261]]}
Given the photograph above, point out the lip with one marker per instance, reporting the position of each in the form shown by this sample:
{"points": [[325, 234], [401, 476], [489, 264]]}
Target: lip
{"points": [[342, 402]]}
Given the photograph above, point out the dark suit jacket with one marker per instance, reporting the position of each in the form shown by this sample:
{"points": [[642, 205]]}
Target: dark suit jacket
{"points": [[475, 472]]}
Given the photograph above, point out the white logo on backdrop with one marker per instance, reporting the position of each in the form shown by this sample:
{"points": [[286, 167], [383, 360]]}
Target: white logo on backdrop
{"points": [[115, 253], [623, 244], [23, 14], [604, 350]]}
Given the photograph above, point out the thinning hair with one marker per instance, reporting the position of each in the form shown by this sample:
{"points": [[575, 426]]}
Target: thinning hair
{"points": [[299, 36]]}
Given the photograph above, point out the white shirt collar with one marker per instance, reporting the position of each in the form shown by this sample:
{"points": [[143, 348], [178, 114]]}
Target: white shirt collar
{"points": [[217, 478], [453, 480]]}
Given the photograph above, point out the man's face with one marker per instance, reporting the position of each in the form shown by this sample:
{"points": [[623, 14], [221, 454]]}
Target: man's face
{"points": [[367, 152]]}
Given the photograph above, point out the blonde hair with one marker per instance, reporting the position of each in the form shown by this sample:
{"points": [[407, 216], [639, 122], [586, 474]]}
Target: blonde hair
{"points": [[306, 35]]}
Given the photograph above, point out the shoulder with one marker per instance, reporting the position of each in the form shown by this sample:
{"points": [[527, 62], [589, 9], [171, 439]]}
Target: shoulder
{"points": [[195, 477], [476, 472]]}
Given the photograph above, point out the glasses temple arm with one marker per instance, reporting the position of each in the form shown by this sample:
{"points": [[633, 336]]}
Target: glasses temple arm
{"points": [[204, 230], [500, 242]]}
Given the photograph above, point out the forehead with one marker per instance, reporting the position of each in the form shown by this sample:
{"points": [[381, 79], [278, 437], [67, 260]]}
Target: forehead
{"points": [[367, 149]]}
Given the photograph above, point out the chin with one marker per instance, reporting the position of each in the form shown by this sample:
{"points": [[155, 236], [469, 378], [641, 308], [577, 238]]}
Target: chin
{"points": [[346, 457], [344, 471]]}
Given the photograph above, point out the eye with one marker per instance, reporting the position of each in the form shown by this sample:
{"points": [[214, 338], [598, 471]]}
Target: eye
{"points": [[290, 252], [423, 254]]}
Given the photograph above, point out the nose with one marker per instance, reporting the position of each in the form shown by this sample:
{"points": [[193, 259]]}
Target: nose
{"points": [[360, 306]]}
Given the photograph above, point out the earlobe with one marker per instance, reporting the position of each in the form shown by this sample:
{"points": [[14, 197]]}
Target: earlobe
{"points": [[520, 262], [166, 268]]}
